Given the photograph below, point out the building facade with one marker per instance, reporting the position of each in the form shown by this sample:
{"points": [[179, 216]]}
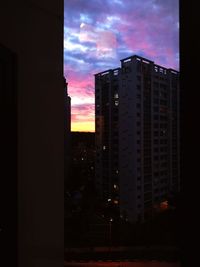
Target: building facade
{"points": [[67, 128], [137, 136]]}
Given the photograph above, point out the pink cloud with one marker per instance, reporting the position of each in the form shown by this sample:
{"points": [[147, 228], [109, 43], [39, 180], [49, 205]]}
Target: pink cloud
{"points": [[101, 33], [83, 113]]}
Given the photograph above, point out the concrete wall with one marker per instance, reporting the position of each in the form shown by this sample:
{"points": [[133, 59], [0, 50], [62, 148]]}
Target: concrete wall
{"points": [[34, 31]]}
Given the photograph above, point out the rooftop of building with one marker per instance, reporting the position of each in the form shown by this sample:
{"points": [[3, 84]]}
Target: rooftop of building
{"points": [[139, 58]]}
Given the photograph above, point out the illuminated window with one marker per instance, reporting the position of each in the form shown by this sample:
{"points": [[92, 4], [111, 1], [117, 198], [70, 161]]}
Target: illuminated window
{"points": [[116, 96], [104, 147], [116, 187], [116, 103]]}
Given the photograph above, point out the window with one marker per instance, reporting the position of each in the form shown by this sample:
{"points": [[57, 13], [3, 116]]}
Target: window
{"points": [[155, 109], [134, 87], [116, 103], [163, 141], [156, 93], [156, 117], [156, 84], [138, 105], [155, 125], [156, 133], [155, 68], [156, 101], [116, 96]]}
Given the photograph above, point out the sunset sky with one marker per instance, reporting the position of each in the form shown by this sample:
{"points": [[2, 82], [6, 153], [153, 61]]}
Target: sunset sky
{"points": [[98, 33]]}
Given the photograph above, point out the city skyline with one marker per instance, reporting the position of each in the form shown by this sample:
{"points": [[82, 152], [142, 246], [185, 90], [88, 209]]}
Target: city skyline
{"points": [[97, 36]]}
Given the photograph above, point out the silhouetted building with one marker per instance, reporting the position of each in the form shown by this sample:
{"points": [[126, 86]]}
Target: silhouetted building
{"points": [[79, 187], [82, 159], [137, 136], [67, 128]]}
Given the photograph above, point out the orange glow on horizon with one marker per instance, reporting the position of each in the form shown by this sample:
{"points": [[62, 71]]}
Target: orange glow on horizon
{"points": [[88, 126]]}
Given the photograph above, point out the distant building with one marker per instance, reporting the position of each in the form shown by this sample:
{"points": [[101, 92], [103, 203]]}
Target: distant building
{"points": [[82, 158], [137, 136], [80, 182], [67, 128]]}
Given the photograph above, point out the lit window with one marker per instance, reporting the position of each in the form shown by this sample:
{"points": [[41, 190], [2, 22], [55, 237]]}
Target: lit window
{"points": [[116, 103], [104, 147], [116, 72], [109, 199], [116, 202], [116, 96], [164, 205]]}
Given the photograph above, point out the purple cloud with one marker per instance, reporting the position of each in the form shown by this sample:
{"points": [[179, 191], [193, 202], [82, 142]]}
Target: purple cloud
{"points": [[97, 34]]}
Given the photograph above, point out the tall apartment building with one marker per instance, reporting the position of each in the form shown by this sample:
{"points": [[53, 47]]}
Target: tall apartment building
{"points": [[137, 136]]}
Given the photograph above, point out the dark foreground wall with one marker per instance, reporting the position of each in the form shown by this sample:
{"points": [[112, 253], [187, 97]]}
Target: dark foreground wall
{"points": [[32, 31]]}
